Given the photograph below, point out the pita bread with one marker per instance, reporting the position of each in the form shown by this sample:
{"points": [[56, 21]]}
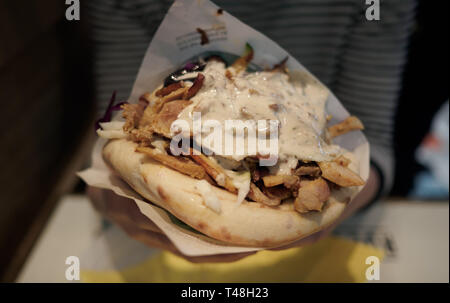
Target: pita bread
{"points": [[248, 224]]}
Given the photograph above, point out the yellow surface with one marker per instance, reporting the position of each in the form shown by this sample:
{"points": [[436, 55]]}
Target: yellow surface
{"points": [[330, 260]]}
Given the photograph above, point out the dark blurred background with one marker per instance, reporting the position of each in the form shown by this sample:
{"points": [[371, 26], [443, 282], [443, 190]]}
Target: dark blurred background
{"points": [[48, 108]]}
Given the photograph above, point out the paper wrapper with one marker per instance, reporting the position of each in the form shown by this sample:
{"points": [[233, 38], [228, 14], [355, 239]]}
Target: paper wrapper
{"points": [[175, 42]]}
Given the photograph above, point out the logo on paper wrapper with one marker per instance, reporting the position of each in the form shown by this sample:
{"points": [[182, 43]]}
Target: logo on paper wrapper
{"points": [[73, 270], [216, 33], [231, 138], [373, 271]]}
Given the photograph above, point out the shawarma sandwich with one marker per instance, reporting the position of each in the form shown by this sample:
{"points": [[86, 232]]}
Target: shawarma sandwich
{"points": [[231, 196]]}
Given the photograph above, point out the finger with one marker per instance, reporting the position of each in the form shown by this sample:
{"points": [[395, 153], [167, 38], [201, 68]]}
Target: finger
{"points": [[127, 215], [157, 240], [120, 209], [96, 197], [150, 238], [302, 242], [222, 258]]}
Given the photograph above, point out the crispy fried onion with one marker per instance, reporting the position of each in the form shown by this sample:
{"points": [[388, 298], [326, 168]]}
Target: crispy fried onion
{"points": [[168, 89], [340, 175], [215, 171], [241, 63], [349, 124], [280, 67], [342, 161], [192, 91], [181, 164]]}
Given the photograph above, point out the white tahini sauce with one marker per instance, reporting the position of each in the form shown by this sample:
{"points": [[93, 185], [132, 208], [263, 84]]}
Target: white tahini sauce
{"points": [[299, 108]]}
